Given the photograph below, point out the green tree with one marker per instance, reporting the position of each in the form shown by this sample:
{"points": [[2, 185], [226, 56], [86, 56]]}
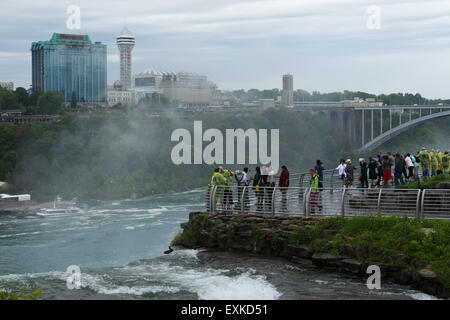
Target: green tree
{"points": [[8, 99], [50, 103]]}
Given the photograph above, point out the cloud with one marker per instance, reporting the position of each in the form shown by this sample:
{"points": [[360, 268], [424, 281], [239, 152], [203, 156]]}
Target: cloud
{"points": [[252, 43]]}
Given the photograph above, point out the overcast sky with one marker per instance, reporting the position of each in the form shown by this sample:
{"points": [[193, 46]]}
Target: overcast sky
{"points": [[325, 44]]}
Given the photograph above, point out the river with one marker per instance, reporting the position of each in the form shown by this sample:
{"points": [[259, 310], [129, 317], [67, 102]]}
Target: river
{"points": [[119, 247]]}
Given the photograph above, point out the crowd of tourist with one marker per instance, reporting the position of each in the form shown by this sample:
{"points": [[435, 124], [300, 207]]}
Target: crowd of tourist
{"points": [[382, 170]]}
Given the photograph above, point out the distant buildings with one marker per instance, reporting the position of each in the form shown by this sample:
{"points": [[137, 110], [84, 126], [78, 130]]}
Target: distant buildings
{"points": [[189, 89], [287, 94], [7, 85], [368, 102], [125, 41], [70, 63], [265, 104], [186, 88], [147, 82], [118, 95]]}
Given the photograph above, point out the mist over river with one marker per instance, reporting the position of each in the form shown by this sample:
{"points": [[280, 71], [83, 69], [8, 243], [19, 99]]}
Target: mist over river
{"points": [[119, 247]]}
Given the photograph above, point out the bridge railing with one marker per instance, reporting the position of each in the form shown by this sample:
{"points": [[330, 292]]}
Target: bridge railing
{"points": [[345, 202]]}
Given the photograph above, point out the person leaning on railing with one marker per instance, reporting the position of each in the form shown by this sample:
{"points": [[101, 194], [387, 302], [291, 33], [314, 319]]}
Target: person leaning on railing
{"points": [[284, 184], [228, 192], [218, 179], [314, 185]]}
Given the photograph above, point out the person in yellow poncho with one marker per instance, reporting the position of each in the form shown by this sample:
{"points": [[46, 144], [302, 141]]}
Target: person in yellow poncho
{"points": [[228, 192], [446, 163], [434, 162], [219, 180], [425, 162], [314, 185]]}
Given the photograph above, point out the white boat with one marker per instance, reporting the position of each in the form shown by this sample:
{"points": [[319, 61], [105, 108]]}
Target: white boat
{"points": [[59, 207]]}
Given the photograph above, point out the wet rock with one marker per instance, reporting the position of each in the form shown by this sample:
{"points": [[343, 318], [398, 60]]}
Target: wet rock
{"points": [[244, 234], [351, 265], [298, 251], [301, 260], [184, 225], [406, 276], [325, 260], [262, 225], [429, 282], [242, 228], [194, 215]]}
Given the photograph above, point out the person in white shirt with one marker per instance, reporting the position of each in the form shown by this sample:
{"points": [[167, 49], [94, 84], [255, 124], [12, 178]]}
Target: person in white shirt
{"points": [[341, 170], [409, 166]]}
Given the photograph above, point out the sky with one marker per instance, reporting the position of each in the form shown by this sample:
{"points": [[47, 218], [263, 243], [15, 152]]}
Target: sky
{"points": [[328, 45]]}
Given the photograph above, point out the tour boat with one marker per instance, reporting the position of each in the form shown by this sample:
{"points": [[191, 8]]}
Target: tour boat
{"points": [[59, 207]]}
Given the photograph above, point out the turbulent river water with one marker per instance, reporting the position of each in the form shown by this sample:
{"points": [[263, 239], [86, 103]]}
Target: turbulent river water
{"points": [[119, 247]]}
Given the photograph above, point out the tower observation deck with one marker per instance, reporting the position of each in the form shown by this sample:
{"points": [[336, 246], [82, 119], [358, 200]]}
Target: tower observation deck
{"points": [[125, 41]]}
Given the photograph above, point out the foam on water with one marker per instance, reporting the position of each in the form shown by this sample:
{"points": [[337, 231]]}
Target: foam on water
{"points": [[421, 296], [209, 283]]}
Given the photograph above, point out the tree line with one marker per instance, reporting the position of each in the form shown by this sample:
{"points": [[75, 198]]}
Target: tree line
{"points": [[316, 96], [37, 102]]}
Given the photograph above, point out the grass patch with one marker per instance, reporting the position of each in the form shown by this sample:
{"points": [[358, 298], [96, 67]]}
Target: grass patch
{"points": [[394, 240]]}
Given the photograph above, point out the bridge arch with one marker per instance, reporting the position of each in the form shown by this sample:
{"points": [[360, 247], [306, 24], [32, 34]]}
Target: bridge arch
{"points": [[386, 136]]}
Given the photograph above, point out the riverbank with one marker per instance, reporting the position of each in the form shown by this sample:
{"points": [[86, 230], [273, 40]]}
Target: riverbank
{"points": [[408, 251]]}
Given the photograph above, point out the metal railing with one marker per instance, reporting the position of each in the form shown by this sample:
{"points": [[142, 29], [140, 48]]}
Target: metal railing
{"points": [[345, 202]]}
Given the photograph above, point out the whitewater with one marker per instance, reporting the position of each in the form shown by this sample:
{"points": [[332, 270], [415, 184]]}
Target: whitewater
{"points": [[119, 247]]}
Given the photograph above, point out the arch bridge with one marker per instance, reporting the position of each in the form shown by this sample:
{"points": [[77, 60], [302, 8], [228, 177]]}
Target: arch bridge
{"points": [[406, 117]]}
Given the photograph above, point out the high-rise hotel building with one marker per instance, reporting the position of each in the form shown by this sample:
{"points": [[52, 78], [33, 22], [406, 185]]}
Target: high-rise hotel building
{"points": [[70, 63]]}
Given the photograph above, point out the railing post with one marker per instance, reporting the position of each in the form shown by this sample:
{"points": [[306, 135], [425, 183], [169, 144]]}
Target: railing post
{"points": [[418, 204], [305, 193], [381, 121], [343, 202], [242, 198], [331, 180], [371, 124], [307, 204], [379, 200], [363, 128], [422, 213], [273, 201], [213, 205]]}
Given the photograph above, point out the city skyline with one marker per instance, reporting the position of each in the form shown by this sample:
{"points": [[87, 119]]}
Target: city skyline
{"points": [[326, 45]]}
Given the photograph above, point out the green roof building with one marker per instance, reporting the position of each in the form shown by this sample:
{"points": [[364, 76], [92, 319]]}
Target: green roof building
{"points": [[70, 63]]}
